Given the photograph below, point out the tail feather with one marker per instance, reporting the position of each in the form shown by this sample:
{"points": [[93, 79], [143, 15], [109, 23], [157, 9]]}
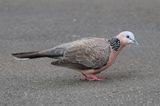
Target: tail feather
{"points": [[30, 55], [50, 53]]}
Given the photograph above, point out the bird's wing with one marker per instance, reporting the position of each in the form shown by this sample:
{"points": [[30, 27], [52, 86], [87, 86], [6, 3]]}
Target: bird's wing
{"points": [[91, 52]]}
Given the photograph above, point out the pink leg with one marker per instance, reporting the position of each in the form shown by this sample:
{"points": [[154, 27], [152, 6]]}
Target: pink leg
{"points": [[92, 77]]}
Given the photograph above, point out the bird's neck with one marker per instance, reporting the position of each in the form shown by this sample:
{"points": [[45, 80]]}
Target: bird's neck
{"points": [[116, 44]]}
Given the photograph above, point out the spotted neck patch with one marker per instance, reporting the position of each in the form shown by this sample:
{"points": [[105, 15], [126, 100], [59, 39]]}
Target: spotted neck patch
{"points": [[115, 43]]}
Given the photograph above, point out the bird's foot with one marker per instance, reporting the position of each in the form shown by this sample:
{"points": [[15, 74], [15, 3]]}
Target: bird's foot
{"points": [[92, 77], [95, 79]]}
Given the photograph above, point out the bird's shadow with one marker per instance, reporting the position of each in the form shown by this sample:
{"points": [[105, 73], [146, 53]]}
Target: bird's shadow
{"points": [[70, 81]]}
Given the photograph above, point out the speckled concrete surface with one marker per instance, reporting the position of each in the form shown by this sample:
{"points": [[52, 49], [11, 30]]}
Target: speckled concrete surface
{"points": [[134, 80]]}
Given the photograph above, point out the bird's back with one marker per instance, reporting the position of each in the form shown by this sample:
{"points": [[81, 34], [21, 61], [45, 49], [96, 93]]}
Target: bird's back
{"points": [[88, 52]]}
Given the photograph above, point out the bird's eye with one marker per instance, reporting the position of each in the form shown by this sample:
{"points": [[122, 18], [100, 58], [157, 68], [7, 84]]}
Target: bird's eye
{"points": [[127, 36]]}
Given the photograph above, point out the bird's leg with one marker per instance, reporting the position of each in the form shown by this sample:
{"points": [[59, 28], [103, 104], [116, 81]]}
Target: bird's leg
{"points": [[91, 75]]}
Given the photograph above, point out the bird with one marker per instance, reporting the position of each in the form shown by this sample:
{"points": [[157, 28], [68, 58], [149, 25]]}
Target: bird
{"points": [[89, 56]]}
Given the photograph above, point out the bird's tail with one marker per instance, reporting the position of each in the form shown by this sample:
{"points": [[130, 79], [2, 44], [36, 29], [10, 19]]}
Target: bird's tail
{"points": [[50, 53], [27, 55]]}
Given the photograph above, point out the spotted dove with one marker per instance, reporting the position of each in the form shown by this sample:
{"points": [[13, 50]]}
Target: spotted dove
{"points": [[89, 56]]}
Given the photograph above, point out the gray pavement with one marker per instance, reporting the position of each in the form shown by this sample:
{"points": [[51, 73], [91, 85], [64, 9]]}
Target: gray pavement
{"points": [[26, 25]]}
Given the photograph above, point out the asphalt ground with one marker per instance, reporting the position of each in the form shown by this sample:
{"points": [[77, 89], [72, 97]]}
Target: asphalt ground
{"points": [[26, 25]]}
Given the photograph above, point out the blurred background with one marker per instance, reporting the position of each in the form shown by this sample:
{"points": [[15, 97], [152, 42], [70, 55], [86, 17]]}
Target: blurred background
{"points": [[26, 25]]}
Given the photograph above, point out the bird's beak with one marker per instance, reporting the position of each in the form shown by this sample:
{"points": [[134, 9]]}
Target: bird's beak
{"points": [[135, 42]]}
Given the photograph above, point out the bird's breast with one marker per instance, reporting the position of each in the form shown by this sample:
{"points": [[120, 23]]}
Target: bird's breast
{"points": [[112, 57]]}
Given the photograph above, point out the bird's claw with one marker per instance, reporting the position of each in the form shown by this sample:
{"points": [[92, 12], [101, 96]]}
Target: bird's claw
{"points": [[93, 79]]}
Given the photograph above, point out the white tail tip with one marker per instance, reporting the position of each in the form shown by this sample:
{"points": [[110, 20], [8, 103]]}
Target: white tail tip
{"points": [[21, 59]]}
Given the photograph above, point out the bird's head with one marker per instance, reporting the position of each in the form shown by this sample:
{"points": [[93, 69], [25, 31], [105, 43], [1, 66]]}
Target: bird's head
{"points": [[127, 37]]}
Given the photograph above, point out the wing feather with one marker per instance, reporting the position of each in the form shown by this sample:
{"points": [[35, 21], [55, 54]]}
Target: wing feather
{"points": [[92, 52]]}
